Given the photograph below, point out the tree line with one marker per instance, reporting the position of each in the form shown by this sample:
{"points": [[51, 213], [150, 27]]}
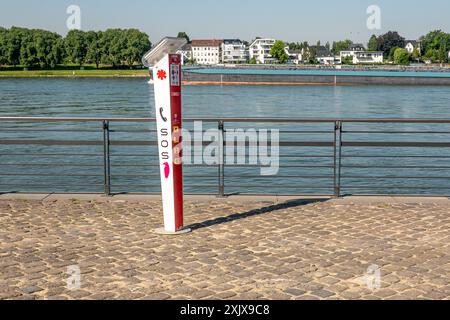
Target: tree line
{"points": [[434, 46], [35, 48]]}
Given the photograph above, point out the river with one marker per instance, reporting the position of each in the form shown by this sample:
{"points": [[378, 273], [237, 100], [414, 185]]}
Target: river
{"points": [[134, 98]]}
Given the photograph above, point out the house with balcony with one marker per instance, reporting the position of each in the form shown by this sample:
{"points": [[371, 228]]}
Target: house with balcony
{"points": [[352, 50], [207, 52], [359, 55], [368, 57], [260, 50], [295, 56], [234, 51]]}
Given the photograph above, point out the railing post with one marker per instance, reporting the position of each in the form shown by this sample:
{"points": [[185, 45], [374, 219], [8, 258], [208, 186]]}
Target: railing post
{"points": [[106, 159], [221, 156], [337, 158]]}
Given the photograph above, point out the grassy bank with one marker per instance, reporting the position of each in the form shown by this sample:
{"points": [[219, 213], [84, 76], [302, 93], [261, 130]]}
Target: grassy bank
{"points": [[111, 73]]}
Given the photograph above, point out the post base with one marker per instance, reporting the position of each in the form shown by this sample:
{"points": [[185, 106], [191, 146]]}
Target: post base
{"points": [[162, 231]]}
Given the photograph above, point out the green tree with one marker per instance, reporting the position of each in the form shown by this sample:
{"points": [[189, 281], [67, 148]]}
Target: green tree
{"points": [[94, 47], [401, 56], [13, 45], [28, 51], [309, 55], [252, 61], [347, 60], [137, 44], [76, 47], [278, 52], [341, 46], [373, 43], [416, 55], [436, 45], [3, 45], [392, 53], [184, 35], [388, 41]]}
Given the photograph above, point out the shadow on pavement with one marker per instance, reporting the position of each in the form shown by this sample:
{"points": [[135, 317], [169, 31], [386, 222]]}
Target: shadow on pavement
{"points": [[255, 212]]}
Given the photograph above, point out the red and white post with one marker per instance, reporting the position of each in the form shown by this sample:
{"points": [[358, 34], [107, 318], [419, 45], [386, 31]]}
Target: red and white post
{"points": [[167, 84]]}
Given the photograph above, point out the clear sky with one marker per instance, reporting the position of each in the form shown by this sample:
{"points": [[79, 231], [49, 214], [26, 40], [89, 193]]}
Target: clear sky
{"points": [[289, 20]]}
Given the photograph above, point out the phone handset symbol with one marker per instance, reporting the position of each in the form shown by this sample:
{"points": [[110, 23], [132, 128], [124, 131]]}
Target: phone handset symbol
{"points": [[161, 110]]}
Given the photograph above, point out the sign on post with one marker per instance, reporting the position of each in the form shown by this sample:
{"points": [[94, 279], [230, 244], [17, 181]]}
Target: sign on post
{"points": [[166, 71]]}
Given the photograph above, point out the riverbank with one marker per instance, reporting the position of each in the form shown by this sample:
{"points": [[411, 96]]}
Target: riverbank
{"points": [[102, 73], [243, 76]]}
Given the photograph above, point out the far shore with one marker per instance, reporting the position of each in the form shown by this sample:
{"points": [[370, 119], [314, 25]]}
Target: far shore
{"points": [[75, 74]]}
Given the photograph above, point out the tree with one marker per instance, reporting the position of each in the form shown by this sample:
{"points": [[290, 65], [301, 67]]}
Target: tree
{"points": [[401, 56], [392, 53], [137, 44], [436, 45], [76, 47], [13, 45], [184, 35], [388, 41], [347, 60], [94, 51], [373, 43], [252, 61], [309, 55], [3, 45], [278, 52], [416, 55], [341, 46]]}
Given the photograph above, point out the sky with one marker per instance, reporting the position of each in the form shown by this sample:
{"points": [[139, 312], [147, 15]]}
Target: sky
{"points": [[288, 20]]}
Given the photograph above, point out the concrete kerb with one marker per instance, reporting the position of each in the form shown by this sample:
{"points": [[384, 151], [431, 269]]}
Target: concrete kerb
{"points": [[233, 198]]}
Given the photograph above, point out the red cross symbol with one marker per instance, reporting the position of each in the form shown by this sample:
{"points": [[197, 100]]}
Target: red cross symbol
{"points": [[162, 74]]}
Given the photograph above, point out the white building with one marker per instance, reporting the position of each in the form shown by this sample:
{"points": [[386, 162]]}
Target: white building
{"points": [[207, 52], [352, 50], [369, 57], [360, 56], [412, 45], [295, 56], [234, 51], [260, 50]]}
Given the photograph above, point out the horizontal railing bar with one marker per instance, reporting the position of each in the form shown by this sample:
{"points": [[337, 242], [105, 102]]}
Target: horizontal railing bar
{"points": [[395, 187], [279, 187], [284, 177], [49, 175], [50, 130], [392, 177], [281, 166], [53, 154], [145, 143], [394, 156], [53, 185], [396, 144], [52, 142], [50, 165], [225, 119], [398, 132], [395, 167]]}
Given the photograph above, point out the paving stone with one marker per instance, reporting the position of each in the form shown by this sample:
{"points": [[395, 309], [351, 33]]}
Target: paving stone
{"points": [[323, 293], [251, 250], [295, 292]]}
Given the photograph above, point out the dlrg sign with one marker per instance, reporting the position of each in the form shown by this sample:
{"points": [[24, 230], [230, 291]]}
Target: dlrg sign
{"points": [[167, 83]]}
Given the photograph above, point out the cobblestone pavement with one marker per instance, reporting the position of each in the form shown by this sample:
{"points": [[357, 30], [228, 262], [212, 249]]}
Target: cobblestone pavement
{"points": [[238, 250]]}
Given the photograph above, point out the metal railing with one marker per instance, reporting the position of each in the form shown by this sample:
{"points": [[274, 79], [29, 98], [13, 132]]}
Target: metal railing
{"points": [[332, 157]]}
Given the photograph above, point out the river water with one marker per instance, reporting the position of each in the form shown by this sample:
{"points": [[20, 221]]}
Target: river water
{"points": [[134, 98]]}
